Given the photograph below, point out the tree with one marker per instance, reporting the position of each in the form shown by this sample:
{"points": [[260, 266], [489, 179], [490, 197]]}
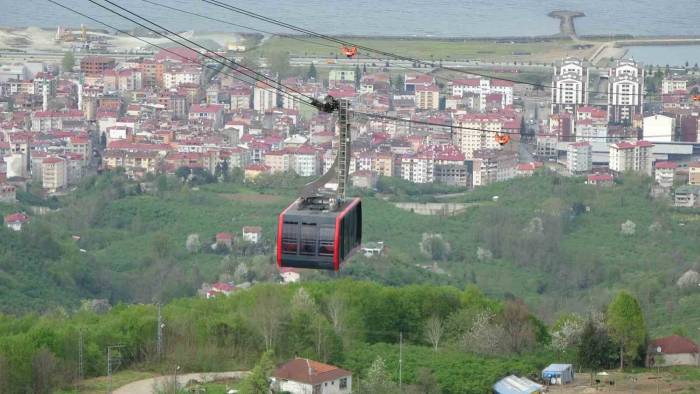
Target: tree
{"points": [[566, 332], [378, 380], [278, 63], [68, 62], [250, 62], [193, 243], [312, 73], [267, 315], [44, 364], [517, 325], [626, 324], [594, 348], [434, 330], [258, 382]]}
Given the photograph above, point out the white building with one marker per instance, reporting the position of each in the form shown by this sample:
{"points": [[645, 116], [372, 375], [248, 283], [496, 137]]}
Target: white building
{"points": [[178, 76], [632, 156], [341, 77], [252, 234], [664, 173], [659, 128], [304, 160], [579, 157], [54, 173], [484, 87], [493, 166], [674, 84], [570, 86], [419, 168], [304, 376], [625, 91], [264, 97], [427, 97]]}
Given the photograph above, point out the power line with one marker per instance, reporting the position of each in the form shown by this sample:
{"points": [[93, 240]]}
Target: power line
{"points": [[166, 49], [223, 63], [277, 22]]}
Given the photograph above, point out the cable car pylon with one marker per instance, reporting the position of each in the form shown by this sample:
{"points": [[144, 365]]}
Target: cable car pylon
{"points": [[323, 228]]}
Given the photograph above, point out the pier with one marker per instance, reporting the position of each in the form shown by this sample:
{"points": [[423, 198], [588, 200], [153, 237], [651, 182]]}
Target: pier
{"points": [[566, 22]]}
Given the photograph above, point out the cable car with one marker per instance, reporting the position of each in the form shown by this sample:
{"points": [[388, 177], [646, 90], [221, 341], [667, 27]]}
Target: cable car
{"points": [[349, 52], [309, 237], [323, 228], [696, 97], [502, 139]]}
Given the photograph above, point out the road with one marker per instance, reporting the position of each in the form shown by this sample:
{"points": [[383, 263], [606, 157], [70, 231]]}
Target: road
{"points": [[146, 386]]}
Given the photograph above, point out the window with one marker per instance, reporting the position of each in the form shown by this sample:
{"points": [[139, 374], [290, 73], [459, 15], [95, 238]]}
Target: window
{"points": [[290, 237], [309, 234], [326, 241], [343, 383]]}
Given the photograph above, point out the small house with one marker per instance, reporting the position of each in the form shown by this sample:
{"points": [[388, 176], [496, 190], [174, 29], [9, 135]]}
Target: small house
{"points": [[372, 249], [220, 288], [15, 221], [673, 350], [252, 234], [224, 239], [600, 179], [516, 385], [301, 376], [558, 374]]}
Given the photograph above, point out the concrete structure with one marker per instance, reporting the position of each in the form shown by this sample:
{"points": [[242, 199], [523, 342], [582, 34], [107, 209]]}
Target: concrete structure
{"points": [[264, 97], [694, 173], [674, 84], [674, 350], [558, 374], [427, 97], [632, 156], [8, 193], [54, 174], [686, 196], [336, 77], [579, 157], [95, 66], [625, 91], [252, 234], [659, 128], [491, 166], [570, 86], [664, 173], [304, 376], [483, 88], [470, 137]]}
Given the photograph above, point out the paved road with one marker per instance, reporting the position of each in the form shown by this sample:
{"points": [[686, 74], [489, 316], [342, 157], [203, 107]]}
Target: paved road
{"points": [[146, 386]]}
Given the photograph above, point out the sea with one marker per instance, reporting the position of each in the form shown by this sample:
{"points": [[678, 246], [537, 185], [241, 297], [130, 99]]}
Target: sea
{"points": [[425, 18]]}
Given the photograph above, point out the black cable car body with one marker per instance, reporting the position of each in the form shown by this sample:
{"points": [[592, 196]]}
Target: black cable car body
{"points": [[320, 230]]}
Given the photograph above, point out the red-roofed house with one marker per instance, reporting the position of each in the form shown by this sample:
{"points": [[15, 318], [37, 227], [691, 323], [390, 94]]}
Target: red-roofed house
{"points": [[527, 169], [224, 239], [220, 288], [600, 179], [673, 350], [253, 170], [303, 376], [664, 172], [14, 221]]}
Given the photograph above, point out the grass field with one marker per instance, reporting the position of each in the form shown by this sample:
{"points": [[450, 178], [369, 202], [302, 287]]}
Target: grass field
{"points": [[434, 49]]}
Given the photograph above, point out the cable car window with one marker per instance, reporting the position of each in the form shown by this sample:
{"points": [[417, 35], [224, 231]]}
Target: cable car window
{"points": [[325, 240], [290, 237], [309, 239]]}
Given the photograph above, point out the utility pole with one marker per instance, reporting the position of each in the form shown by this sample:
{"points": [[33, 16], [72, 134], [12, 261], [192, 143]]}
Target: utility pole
{"points": [[112, 362], [400, 359], [81, 364], [159, 335]]}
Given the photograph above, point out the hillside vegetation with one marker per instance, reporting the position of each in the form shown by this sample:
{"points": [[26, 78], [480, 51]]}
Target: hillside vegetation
{"points": [[552, 241]]}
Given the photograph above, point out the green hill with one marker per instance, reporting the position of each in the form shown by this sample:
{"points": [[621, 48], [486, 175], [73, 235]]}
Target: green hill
{"points": [[552, 241]]}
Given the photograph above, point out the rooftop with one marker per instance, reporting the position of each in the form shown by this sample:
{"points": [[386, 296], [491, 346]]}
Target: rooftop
{"points": [[308, 371]]}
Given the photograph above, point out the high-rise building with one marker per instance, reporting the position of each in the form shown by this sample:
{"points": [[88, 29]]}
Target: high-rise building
{"points": [[264, 97], [570, 86], [625, 91], [579, 157]]}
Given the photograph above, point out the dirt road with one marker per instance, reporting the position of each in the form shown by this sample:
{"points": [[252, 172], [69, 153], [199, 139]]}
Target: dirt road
{"points": [[146, 386]]}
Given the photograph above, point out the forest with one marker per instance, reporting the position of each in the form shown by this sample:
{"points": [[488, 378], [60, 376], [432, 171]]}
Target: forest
{"points": [[454, 341]]}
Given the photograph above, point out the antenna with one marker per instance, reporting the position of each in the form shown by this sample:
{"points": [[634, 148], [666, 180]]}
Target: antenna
{"points": [[400, 358], [159, 335], [81, 364], [113, 362]]}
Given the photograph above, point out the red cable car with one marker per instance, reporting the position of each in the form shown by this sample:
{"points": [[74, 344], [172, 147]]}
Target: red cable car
{"points": [[502, 139], [350, 52], [321, 229], [309, 237], [696, 97]]}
